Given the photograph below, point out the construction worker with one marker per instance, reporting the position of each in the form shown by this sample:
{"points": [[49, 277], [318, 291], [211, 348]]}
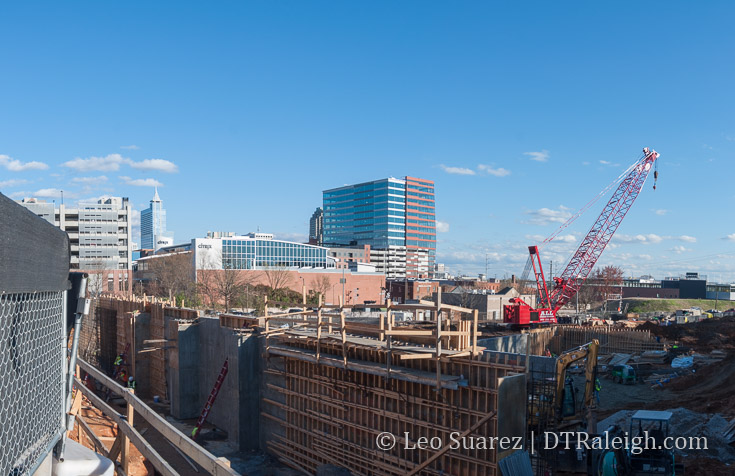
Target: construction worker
{"points": [[131, 383], [598, 387], [118, 360]]}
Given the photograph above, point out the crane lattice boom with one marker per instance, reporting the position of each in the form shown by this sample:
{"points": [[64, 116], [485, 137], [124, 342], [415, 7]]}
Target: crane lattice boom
{"points": [[584, 259]]}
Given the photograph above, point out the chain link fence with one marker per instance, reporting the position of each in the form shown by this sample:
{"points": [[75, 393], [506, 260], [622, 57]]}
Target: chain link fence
{"points": [[32, 348]]}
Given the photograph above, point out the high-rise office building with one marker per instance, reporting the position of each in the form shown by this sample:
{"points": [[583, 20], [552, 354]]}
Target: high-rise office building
{"points": [[316, 227], [99, 238], [420, 228], [394, 216], [153, 233]]}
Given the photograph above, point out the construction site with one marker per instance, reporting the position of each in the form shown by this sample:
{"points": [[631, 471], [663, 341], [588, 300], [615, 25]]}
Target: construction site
{"points": [[312, 392], [421, 388]]}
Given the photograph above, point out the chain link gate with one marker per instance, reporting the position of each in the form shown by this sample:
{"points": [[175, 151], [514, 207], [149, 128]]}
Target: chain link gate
{"points": [[34, 284], [31, 378]]}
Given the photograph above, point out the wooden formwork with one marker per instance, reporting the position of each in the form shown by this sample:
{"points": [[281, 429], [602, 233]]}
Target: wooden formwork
{"points": [[332, 415], [612, 339], [338, 391], [109, 329]]}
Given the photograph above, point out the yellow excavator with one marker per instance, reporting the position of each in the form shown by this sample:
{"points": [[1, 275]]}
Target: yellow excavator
{"points": [[558, 405], [565, 406]]}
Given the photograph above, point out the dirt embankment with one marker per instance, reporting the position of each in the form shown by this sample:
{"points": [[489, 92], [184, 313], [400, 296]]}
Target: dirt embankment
{"points": [[703, 336]]}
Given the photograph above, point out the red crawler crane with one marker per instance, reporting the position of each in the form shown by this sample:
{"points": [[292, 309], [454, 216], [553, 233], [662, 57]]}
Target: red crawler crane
{"points": [[584, 259]]}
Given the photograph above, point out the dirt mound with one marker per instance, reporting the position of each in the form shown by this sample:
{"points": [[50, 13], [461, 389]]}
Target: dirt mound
{"points": [[703, 336], [707, 467], [709, 389]]}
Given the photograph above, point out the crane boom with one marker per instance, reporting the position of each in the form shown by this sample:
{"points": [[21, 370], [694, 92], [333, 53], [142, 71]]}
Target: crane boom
{"points": [[586, 256], [592, 246]]}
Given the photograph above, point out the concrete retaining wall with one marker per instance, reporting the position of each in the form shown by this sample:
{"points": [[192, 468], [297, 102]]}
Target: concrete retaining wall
{"points": [[203, 346]]}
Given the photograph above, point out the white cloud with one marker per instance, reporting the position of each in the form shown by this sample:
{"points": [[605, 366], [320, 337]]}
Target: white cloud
{"points": [[13, 183], [457, 170], [730, 237], [17, 166], [535, 238], [147, 182], [566, 238], [687, 239], [648, 239], [89, 180], [661, 212], [499, 172], [52, 193], [610, 164], [545, 216], [109, 163], [679, 249], [129, 147], [295, 237], [442, 227], [160, 165], [112, 163], [135, 225], [542, 156]]}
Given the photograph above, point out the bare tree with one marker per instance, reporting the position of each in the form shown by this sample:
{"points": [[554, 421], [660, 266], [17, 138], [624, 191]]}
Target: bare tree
{"points": [[278, 278], [173, 275], [229, 285], [220, 282], [322, 285], [601, 285], [609, 278], [207, 269], [96, 281]]}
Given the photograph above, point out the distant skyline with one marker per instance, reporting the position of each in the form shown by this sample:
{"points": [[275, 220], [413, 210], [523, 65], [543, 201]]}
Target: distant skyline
{"points": [[243, 113]]}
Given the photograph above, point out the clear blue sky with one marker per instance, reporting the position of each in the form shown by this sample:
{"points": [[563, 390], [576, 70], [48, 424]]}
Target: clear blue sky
{"points": [[253, 108]]}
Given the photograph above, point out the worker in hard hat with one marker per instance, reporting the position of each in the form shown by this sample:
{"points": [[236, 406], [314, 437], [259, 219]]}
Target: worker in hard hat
{"points": [[131, 383]]}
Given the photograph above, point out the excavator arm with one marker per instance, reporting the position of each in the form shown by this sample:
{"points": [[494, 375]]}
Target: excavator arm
{"points": [[566, 359]]}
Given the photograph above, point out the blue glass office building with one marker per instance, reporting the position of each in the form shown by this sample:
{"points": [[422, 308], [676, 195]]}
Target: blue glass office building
{"points": [[257, 251], [387, 214], [254, 253], [370, 213]]}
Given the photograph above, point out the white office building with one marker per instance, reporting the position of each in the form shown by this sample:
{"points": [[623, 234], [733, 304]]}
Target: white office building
{"points": [[99, 237]]}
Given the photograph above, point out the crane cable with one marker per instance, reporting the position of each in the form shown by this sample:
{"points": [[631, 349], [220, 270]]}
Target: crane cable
{"points": [[582, 210]]}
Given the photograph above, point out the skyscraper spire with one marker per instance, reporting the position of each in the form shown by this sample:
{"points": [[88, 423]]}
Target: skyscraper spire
{"points": [[156, 198]]}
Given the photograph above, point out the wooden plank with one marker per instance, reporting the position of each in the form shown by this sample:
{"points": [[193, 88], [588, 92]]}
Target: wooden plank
{"points": [[76, 404], [416, 333], [205, 459], [126, 429], [186, 458], [447, 447], [417, 356], [99, 446], [433, 306], [125, 451], [116, 446]]}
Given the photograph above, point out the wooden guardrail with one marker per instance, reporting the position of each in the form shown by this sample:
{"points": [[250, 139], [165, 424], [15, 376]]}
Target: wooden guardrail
{"points": [[209, 462]]}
